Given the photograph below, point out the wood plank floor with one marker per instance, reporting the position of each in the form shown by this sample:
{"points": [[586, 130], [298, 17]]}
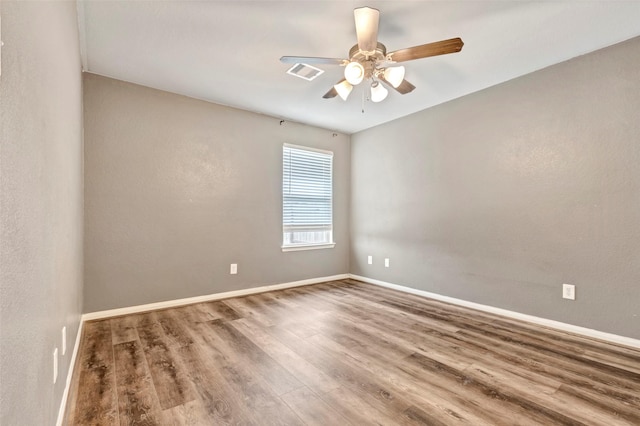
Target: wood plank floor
{"points": [[345, 353]]}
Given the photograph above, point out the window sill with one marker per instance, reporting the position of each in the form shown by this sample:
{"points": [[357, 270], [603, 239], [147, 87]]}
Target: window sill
{"points": [[308, 247]]}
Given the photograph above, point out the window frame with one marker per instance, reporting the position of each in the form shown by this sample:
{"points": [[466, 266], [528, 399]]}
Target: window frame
{"points": [[305, 246]]}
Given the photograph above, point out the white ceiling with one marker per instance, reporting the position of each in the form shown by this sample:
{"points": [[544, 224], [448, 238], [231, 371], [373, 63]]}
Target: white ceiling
{"points": [[228, 52]]}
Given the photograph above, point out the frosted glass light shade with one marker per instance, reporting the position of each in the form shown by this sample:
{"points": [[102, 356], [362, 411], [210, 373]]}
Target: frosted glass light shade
{"points": [[354, 73], [394, 75], [343, 89], [378, 92]]}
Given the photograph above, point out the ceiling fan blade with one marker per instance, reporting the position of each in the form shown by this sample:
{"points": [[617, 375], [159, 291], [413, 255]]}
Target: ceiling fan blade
{"points": [[367, 20], [332, 93], [312, 60], [443, 47], [404, 87]]}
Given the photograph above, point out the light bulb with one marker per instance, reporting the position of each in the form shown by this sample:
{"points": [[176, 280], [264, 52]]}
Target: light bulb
{"points": [[394, 75], [354, 73], [378, 92], [343, 88]]}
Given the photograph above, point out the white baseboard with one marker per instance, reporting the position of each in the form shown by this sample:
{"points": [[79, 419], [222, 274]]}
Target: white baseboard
{"points": [[168, 304], [67, 386], [206, 298], [587, 332]]}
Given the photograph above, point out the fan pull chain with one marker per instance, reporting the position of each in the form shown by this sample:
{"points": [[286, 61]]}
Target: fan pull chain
{"points": [[363, 101]]}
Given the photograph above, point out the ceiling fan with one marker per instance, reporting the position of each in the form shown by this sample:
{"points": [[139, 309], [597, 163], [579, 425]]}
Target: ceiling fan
{"points": [[369, 60]]}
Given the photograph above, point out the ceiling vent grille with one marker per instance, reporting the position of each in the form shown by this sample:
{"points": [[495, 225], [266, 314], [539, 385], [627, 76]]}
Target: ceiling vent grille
{"points": [[305, 71]]}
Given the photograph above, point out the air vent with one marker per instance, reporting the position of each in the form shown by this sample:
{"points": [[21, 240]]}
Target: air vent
{"points": [[305, 71]]}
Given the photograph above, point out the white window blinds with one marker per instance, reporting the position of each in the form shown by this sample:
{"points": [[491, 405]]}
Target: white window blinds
{"points": [[307, 218]]}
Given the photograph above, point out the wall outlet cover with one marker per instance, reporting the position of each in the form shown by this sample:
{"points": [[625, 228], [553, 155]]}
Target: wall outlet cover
{"points": [[55, 365], [569, 291], [370, 260], [234, 269], [386, 262], [64, 340]]}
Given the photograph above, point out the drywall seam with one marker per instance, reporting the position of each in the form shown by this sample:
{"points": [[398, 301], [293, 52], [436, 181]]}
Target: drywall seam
{"points": [[206, 298], [583, 331]]}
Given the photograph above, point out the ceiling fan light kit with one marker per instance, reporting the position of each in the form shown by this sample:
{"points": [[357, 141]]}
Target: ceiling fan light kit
{"points": [[378, 92], [343, 88], [369, 60], [394, 75], [354, 73]]}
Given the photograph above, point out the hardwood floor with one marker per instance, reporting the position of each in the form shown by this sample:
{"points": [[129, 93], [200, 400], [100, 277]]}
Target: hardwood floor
{"points": [[345, 353]]}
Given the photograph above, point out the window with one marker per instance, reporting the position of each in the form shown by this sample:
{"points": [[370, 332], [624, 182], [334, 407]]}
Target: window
{"points": [[307, 206]]}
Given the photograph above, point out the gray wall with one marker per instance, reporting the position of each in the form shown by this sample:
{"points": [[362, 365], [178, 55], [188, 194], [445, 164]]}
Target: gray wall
{"points": [[501, 196], [177, 189], [40, 205]]}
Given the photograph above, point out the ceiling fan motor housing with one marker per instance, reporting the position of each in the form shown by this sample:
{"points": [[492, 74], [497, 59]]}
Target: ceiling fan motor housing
{"points": [[368, 61]]}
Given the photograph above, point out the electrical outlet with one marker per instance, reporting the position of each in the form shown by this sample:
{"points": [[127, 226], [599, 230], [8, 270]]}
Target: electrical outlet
{"points": [[234, 269], [55, 365], [569, 291], [386, 262], [64, 340], [370, 260]]}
